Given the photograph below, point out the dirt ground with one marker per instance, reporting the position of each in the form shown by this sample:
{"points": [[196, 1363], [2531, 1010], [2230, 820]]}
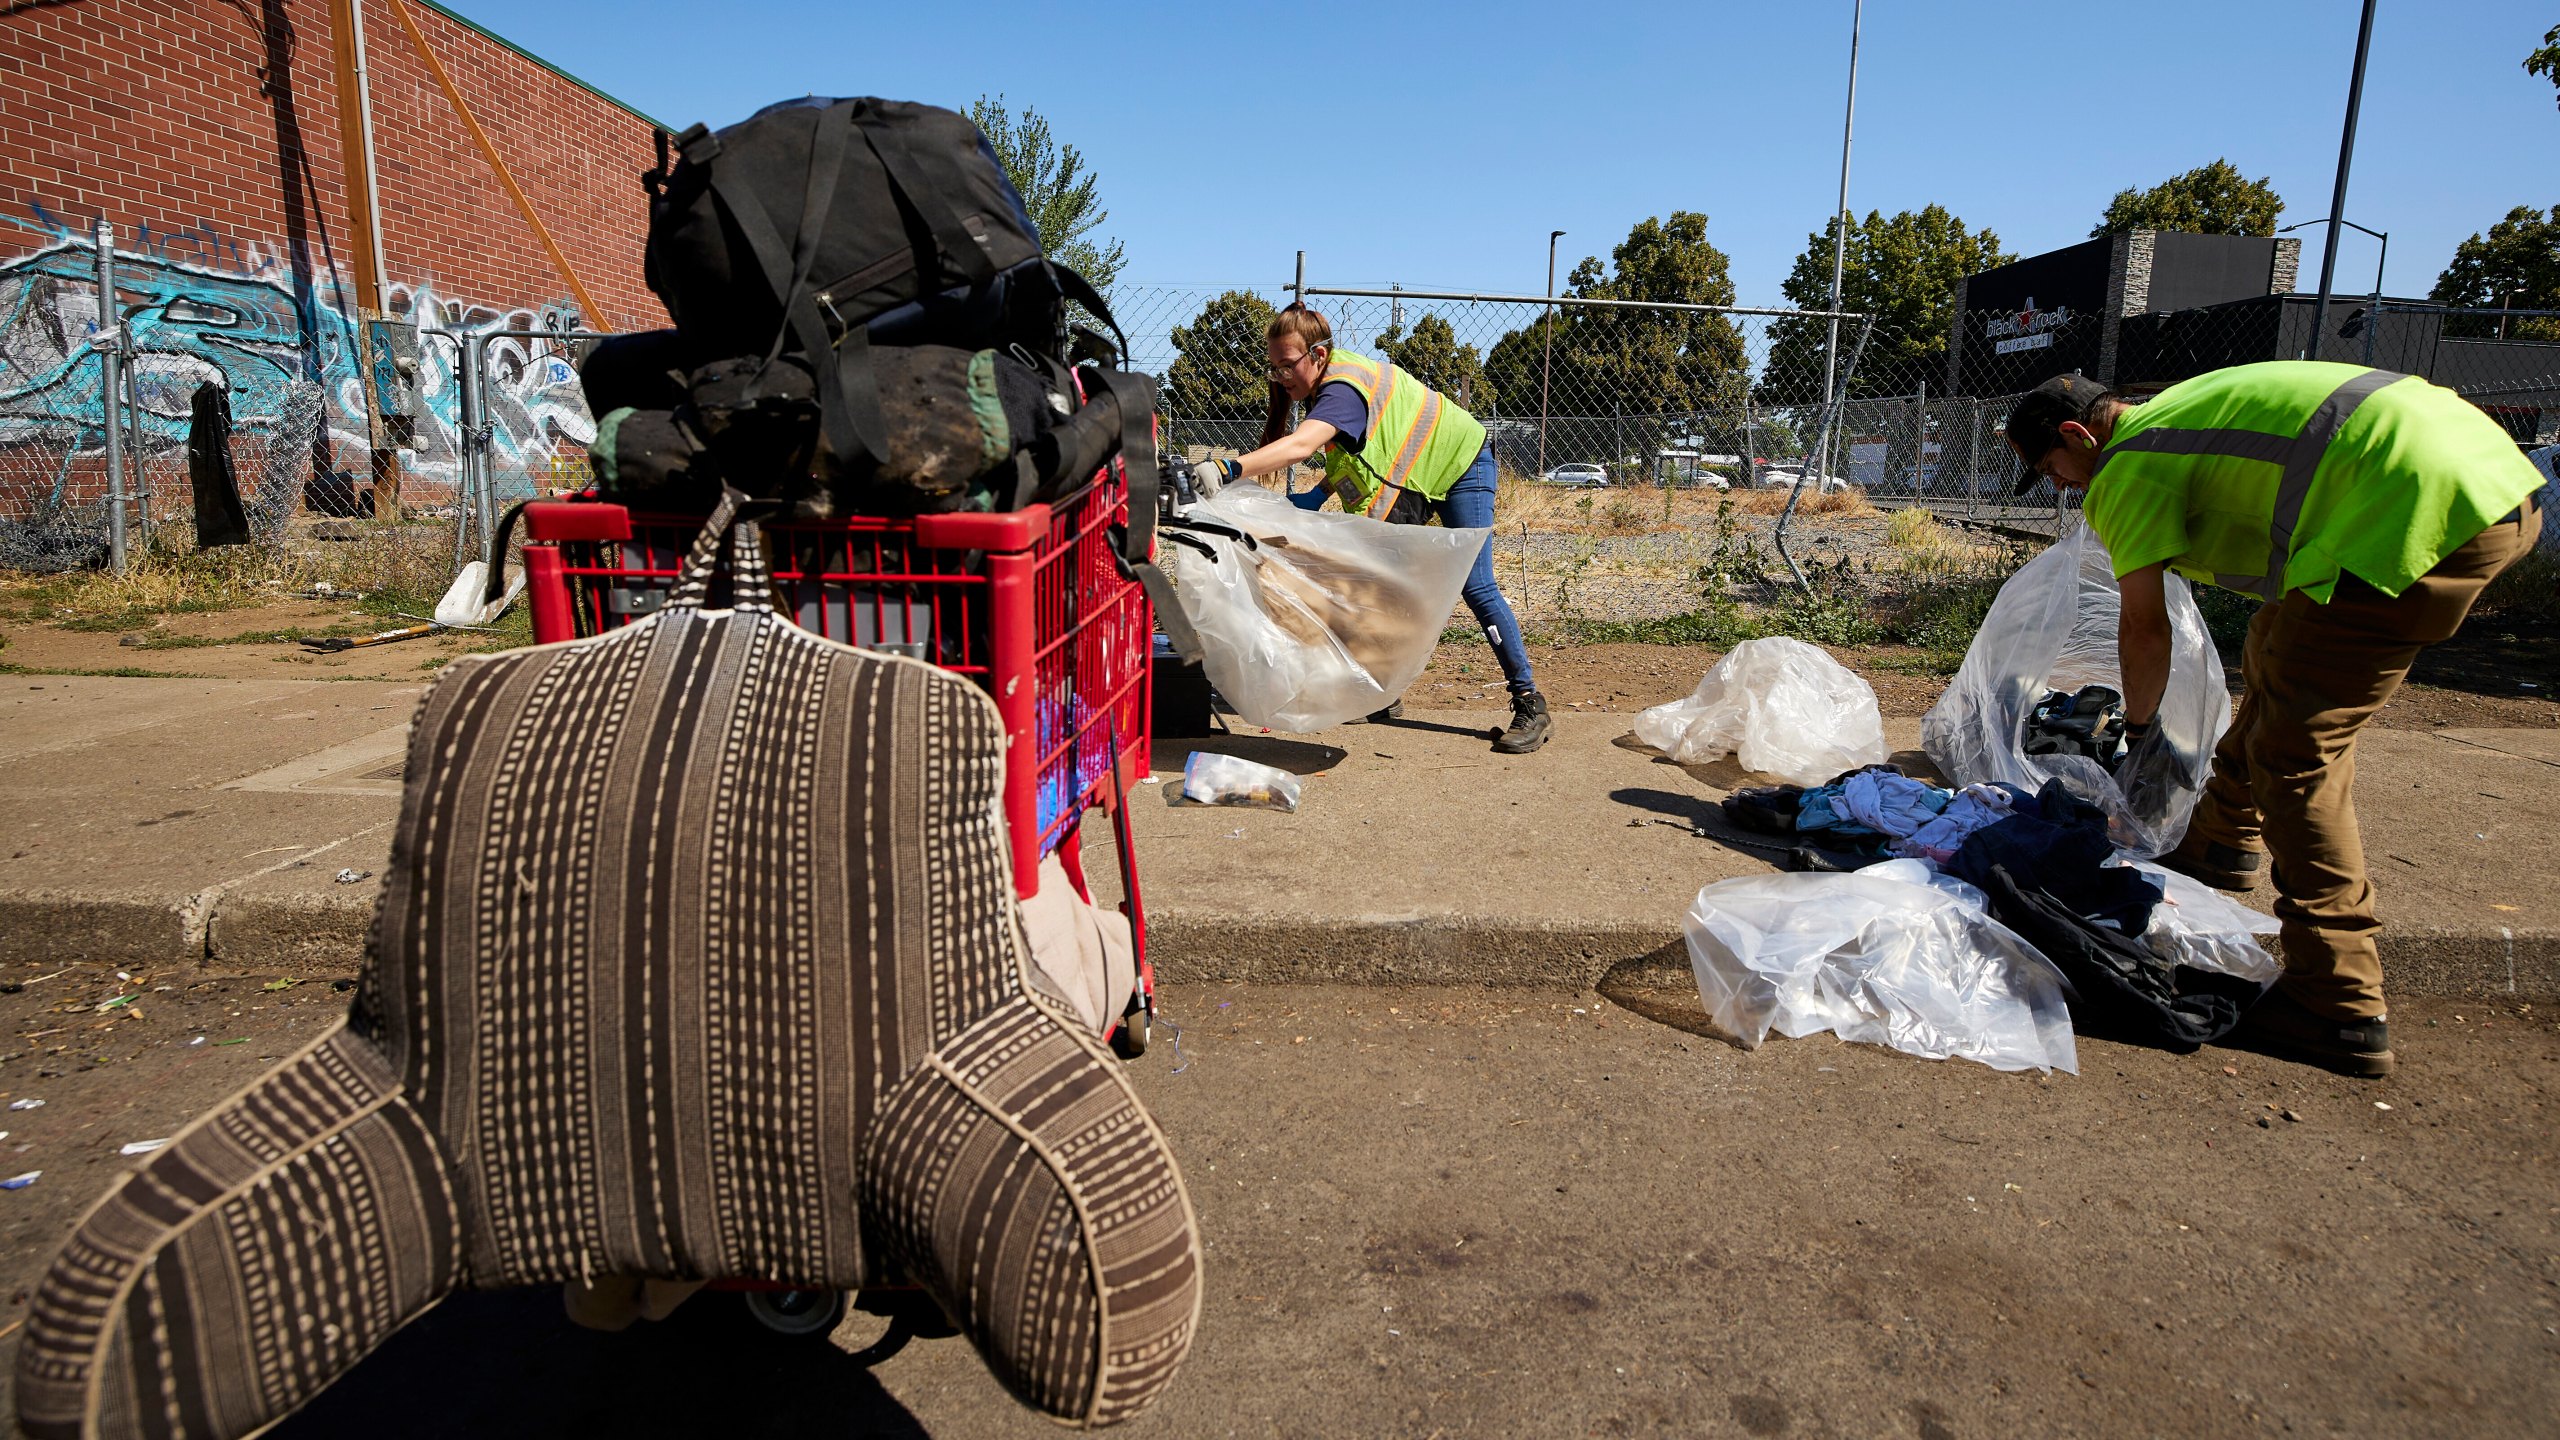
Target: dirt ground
{"points": [[237, 644], [2478, 678], [1471, 1212]]}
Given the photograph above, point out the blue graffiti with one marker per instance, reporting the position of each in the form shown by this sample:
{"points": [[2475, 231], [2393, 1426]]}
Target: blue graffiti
{"points": [[201, 308]]}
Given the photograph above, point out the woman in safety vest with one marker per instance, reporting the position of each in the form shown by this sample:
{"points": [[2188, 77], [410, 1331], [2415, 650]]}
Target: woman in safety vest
{"points": [[1399, 451], [2368, 510]]}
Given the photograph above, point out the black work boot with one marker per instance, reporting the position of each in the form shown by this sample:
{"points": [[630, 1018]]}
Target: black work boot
{"points": [[2221, 866], [1394, 711], [1530, 725], [2284, 1025]]}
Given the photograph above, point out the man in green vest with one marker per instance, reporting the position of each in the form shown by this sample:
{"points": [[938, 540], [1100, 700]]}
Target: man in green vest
{"points": [[1396, 450], [2368, 510]]}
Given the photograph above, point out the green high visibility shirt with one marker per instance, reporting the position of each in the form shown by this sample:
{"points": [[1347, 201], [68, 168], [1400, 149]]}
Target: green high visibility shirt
{"points": [[2282, 476], [1418, 439]]}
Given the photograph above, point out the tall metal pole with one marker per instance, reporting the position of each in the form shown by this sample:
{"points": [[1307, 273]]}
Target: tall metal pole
{"points": [[1299, 287], [2338, 202], [364, 222], [1546, 363], [1840, 231], [111, 391]]}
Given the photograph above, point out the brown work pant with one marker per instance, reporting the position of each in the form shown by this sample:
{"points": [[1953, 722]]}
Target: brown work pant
{"points": [[2284, 775]]}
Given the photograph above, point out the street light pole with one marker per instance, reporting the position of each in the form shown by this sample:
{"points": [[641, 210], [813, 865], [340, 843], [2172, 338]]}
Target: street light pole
{"points": [[1546, 363], [1840, 232], [2338, 202]]}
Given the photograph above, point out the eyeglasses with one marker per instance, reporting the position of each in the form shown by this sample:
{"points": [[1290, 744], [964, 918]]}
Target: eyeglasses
{"points": [[1280, 370]]}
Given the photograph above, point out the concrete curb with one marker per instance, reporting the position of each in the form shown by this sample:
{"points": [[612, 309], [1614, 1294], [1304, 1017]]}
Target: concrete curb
{"points": [[323, 938]]}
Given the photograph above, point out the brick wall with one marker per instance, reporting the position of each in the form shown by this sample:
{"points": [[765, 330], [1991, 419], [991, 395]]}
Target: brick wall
{"points": [[207, 132]]}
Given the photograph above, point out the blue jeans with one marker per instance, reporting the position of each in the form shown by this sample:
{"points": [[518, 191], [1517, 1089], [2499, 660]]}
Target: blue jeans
{"points": [[1469, 505]]}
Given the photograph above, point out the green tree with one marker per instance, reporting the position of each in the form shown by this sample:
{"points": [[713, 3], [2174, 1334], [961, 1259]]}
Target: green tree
{"points": [[1660, 367], [2211, 199], [1903, 270], [1218, 383], [2516, 265], [1064, 198], [2545, 62], [1432, 355]]}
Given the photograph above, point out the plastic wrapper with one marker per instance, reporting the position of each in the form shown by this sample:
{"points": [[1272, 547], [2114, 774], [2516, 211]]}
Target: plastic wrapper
{"points": [[1779, 706], [2200, 926], [1324, 617], [2053, 627], [1213, 779], [1893, 955]]}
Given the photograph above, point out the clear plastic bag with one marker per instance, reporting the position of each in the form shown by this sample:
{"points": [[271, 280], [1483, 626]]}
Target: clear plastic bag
{"points": [[1781, 707], [1893, 955], [2053, 627], [1325, 617], [2199, 926], [1209, 778]]}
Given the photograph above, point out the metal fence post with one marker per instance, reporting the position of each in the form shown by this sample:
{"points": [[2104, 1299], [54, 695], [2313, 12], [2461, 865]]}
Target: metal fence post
{"points": [[110, 345], [1972, 458]]}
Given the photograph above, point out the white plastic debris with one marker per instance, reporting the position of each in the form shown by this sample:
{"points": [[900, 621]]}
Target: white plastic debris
{"points": [[20, 1182], [141, 1147], [466, 603], [1779, 706], [353, 876], [29, 1103], [1893, 955], [1209, 778], [2199, 926]]}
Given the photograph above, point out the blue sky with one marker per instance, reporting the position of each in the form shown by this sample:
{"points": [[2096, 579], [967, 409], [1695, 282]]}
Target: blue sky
{"points": [[1435, 145]]}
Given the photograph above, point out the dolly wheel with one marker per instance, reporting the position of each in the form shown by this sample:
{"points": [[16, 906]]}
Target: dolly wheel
{"points": [[796, 1312], [1136, 1029]]}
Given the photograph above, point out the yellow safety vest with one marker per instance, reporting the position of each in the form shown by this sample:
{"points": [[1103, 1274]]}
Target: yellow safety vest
{"points": [[1418, 439]]}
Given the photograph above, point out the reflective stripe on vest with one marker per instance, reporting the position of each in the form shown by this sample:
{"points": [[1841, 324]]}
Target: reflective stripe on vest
{"points": [[2300, 455], [1378, 382]]}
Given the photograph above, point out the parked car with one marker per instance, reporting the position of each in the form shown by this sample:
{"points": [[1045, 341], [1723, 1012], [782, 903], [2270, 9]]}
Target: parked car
{"points": [[1578, 475], [1784, 477]]}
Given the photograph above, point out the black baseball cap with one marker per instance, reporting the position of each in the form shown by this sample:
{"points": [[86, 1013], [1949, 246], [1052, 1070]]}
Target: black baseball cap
{"points": [[2036, 421]]}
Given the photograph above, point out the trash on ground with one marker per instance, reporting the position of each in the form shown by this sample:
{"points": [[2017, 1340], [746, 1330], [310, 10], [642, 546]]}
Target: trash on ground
{"points": [[287, 983], [2381, 1104], [29, 1103], [20, 1182], [141, 1147], [104, 1006], [467, 604], [1307, 619], [1209, 778], [1781, 707], [1893, 955], [2049, 644], [351, 876]]}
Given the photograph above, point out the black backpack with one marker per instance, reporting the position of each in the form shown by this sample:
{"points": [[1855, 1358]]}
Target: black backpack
{"points": [[819, 228]]}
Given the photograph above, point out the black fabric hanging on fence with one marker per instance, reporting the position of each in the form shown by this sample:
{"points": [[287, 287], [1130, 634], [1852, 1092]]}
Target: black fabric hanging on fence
{"points": [[220, 517]]}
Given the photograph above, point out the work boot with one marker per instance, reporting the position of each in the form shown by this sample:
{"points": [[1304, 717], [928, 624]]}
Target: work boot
{"points": [[2361, 1048], [1530, 725], [1394, 711], [2224, 867]]}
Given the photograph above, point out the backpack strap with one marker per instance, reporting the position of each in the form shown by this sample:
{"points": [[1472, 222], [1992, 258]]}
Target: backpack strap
{"points": [[849, 396], [927, 184], [1077, 288], [1133, 544]]}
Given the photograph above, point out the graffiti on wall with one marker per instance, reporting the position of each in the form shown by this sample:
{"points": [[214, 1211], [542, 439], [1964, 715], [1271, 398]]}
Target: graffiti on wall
{"points": [[202, 307]]}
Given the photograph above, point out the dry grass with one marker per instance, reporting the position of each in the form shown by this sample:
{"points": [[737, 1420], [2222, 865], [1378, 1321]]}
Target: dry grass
{"points": [[1847, 502], [403, 566]]}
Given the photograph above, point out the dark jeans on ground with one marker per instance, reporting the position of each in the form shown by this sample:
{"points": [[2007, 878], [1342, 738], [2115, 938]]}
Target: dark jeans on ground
{"points": [[1469, 505]]}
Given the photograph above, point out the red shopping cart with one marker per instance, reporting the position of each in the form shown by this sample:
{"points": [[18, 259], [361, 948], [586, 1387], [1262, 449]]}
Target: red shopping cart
{"points": [[1034, 604]]}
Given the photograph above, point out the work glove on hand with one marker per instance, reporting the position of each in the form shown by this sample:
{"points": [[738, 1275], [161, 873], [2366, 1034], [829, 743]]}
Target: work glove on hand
{"points": [[2153, 772], [1208, 477]]}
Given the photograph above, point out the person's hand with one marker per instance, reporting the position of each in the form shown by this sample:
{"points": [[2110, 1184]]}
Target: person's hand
{"points": [[1210, 476], [2154, 772]]}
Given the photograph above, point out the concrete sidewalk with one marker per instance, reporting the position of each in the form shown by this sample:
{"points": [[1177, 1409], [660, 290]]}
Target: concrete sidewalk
{"points": [[162, 820]]}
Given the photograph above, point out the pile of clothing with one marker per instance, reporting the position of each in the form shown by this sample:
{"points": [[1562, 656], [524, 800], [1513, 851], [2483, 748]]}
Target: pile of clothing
{"points": [[2143, 956]]}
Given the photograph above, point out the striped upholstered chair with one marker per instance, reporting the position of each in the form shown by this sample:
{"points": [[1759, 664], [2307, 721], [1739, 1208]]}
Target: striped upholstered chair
{"points": [[696, 958]]}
